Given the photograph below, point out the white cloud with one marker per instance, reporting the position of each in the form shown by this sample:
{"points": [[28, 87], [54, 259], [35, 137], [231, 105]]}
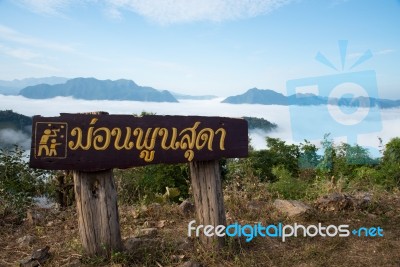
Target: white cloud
{"points": [[48, 7], [178, 11], [15, 38], [11, 35], [20, 53], [165, 11], [11, 137]]}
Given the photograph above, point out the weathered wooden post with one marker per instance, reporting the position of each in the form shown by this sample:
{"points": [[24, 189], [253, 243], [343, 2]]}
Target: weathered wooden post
{"points": [[92, 144], [96, 204], [208, 198]]}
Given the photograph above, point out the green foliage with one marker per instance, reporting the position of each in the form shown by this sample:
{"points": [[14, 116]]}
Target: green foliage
{"points": [[297, 171], [18, 182], [390, 165], [391, 154], [343, 159], [308, 157], [366, 178], [287, 186], [278, 153], [238, 168], [326, 164], [150, 182]]}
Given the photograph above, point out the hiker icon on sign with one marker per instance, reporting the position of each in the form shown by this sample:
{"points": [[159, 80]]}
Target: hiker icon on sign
{"points": [[51, 140]]}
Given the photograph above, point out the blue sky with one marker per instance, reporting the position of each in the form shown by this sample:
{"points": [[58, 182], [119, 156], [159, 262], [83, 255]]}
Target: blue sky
{"points": [[220, 47]]}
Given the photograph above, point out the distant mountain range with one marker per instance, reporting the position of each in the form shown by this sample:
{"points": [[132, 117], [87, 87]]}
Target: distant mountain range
{"points": [[90, 89], [270, 97], [93, 89]]}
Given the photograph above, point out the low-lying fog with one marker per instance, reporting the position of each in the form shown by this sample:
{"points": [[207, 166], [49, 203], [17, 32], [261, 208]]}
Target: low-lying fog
{"points": [[312, 122]]}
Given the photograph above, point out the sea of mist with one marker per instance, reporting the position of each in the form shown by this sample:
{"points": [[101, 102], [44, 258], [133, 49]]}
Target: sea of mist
{"points": [[390, 118]]}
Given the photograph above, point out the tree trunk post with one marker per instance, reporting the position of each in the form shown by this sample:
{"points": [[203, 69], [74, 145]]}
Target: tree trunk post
{"points": [[208, 198], [96, 202]]}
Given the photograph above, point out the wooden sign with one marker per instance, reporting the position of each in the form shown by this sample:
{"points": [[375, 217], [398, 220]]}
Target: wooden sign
{"points": [[99, 141]]}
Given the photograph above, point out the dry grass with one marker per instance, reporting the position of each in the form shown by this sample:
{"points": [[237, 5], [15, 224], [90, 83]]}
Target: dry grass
{"points": [[170, 247]]}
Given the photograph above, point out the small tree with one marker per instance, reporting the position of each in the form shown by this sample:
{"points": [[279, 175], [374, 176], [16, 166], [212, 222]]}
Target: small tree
{"points": [[308, 158], [277, 153]]}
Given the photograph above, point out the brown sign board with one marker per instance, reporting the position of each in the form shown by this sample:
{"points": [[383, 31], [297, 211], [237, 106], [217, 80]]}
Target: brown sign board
{"points": [[101, 141]]}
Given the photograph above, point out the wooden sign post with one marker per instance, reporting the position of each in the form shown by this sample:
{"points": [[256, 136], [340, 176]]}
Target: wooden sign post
{"points": [[208, 198], [92, 144]]}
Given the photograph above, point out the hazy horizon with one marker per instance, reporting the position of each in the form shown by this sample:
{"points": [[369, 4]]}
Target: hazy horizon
{"points": [[273, 113]]}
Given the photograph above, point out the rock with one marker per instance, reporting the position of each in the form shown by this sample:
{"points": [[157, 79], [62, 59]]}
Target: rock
{"points": [[338, 201], [191, 264], [334, 202], [26, 240], [186, 208], [133, 243], [291, 207], [37, 259]]}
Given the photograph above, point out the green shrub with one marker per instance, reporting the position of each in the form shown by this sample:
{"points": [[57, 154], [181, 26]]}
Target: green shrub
{"points": [[366, 179], [287, 186], [324, 184], [149, 182], [19, 183], [390, 165]]}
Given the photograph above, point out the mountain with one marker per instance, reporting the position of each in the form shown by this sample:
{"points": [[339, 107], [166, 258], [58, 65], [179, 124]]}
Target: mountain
{"points": [[93, 89], [257, 96], [13, 87], [270, 97]]}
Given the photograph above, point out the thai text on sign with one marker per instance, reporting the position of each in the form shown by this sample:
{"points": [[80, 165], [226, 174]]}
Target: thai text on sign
{"points": [[100, 141]]}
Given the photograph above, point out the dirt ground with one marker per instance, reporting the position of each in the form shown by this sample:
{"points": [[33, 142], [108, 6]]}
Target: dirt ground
{"points": [[170, 246]]}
